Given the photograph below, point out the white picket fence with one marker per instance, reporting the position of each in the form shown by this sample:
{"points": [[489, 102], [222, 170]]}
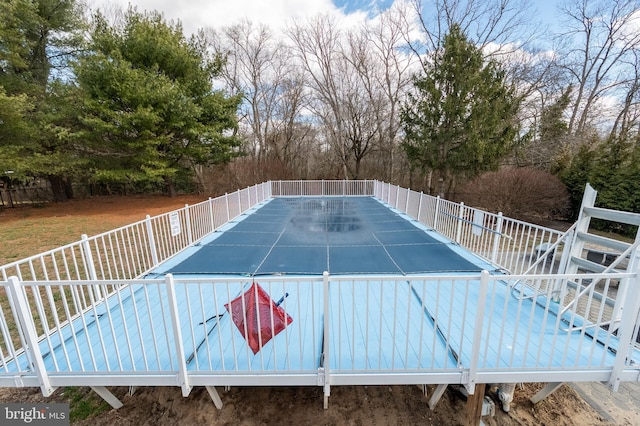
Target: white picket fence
{"points": [[79, 315], [511, 244]]}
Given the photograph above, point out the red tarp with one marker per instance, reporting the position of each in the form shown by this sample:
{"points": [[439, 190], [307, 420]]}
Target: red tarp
{"points": [[256, 304]]}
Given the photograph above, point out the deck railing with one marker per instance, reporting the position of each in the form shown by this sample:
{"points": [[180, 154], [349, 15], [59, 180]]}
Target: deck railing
{"points": [[345, 330], [511, 244], [133, 250], [322, 187]]}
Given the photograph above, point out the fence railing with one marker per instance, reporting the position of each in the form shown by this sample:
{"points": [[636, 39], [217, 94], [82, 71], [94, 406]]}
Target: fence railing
{"points": [[322, 187], [511, 244], [355, 330], [133, 250]]}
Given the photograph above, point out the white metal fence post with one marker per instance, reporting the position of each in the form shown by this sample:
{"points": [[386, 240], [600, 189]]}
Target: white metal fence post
{"points": [[91, 268], [496, 238], [478, 330], [397, 195], [187, 219], [419, 207], [88, 257], [226, 199], [558, 283], [183, 376], [460, 218], [152, 242], [255, 191], [326, 354], [213, 223], [435, 214], [28, 328], [629, 317], [406, 202]]}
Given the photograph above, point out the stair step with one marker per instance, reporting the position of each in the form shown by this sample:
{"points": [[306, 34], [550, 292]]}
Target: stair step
{"points": [[590, 266], [613, 215], [603, 241]]}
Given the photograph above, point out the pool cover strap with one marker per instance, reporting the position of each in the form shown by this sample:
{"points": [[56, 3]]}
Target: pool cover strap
{"points": [[257, 316]]}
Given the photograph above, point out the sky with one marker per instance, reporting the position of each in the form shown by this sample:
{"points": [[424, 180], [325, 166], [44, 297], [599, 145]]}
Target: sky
{"points": [[196, 14]]}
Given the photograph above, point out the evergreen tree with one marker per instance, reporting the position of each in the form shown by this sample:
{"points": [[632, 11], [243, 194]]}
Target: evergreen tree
{"points": [[461, 118], [612, 167], [553, 127], [149, 109], [36, 38]]}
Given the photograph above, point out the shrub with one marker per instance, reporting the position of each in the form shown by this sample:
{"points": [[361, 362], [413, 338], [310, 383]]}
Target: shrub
{"points": [[523, 193]]}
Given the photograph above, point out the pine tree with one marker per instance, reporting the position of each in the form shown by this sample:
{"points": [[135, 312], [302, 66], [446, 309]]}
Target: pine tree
{"points": [[149, 109], [460, 119], [37, 38]]}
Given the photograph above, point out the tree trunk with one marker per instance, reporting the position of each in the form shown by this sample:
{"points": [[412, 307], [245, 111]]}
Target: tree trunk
{"points": [[171, 188], [61, 188]]}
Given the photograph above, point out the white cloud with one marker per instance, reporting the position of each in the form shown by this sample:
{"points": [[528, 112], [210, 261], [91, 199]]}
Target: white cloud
{"points": [[196, 14]]}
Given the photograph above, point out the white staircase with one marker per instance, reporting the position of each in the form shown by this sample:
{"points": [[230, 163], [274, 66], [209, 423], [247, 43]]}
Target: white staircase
{"points": [[591, 253]]}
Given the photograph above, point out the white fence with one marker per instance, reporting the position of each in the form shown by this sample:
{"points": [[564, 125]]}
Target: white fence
{"points": [[77, 315], [345, 330], [133, 250], [322, 187], [513, 245]]}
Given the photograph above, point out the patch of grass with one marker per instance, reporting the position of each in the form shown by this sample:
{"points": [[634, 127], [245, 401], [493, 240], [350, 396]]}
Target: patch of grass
{"points": [[31, 236], [84, 404], [27, 231]]}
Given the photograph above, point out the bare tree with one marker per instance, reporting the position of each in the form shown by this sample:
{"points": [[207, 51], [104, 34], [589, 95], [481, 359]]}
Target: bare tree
{"points": [[503, 24], [357, 77], [248, 68], [318, 46], [628, 118], [256, 63], [602, 40], [376, 54]]}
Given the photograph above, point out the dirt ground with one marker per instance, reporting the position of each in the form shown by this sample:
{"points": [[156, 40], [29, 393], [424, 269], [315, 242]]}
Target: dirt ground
{"points": [[348, 405]]}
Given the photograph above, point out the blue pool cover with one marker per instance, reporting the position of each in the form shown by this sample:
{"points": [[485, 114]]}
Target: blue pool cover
{"points": [[341, 235]]}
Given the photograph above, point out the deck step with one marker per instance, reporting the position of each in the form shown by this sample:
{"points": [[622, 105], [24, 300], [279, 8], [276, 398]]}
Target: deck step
{"points": [[613, 215], [620, 246], [598, 296], [590, 266]]}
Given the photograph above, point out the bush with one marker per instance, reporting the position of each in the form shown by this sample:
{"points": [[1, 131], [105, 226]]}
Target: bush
{"points": [[522, 193]]}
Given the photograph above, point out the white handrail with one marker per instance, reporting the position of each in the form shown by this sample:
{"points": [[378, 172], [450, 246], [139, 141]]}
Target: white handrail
{"points": [[608, 270]]}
